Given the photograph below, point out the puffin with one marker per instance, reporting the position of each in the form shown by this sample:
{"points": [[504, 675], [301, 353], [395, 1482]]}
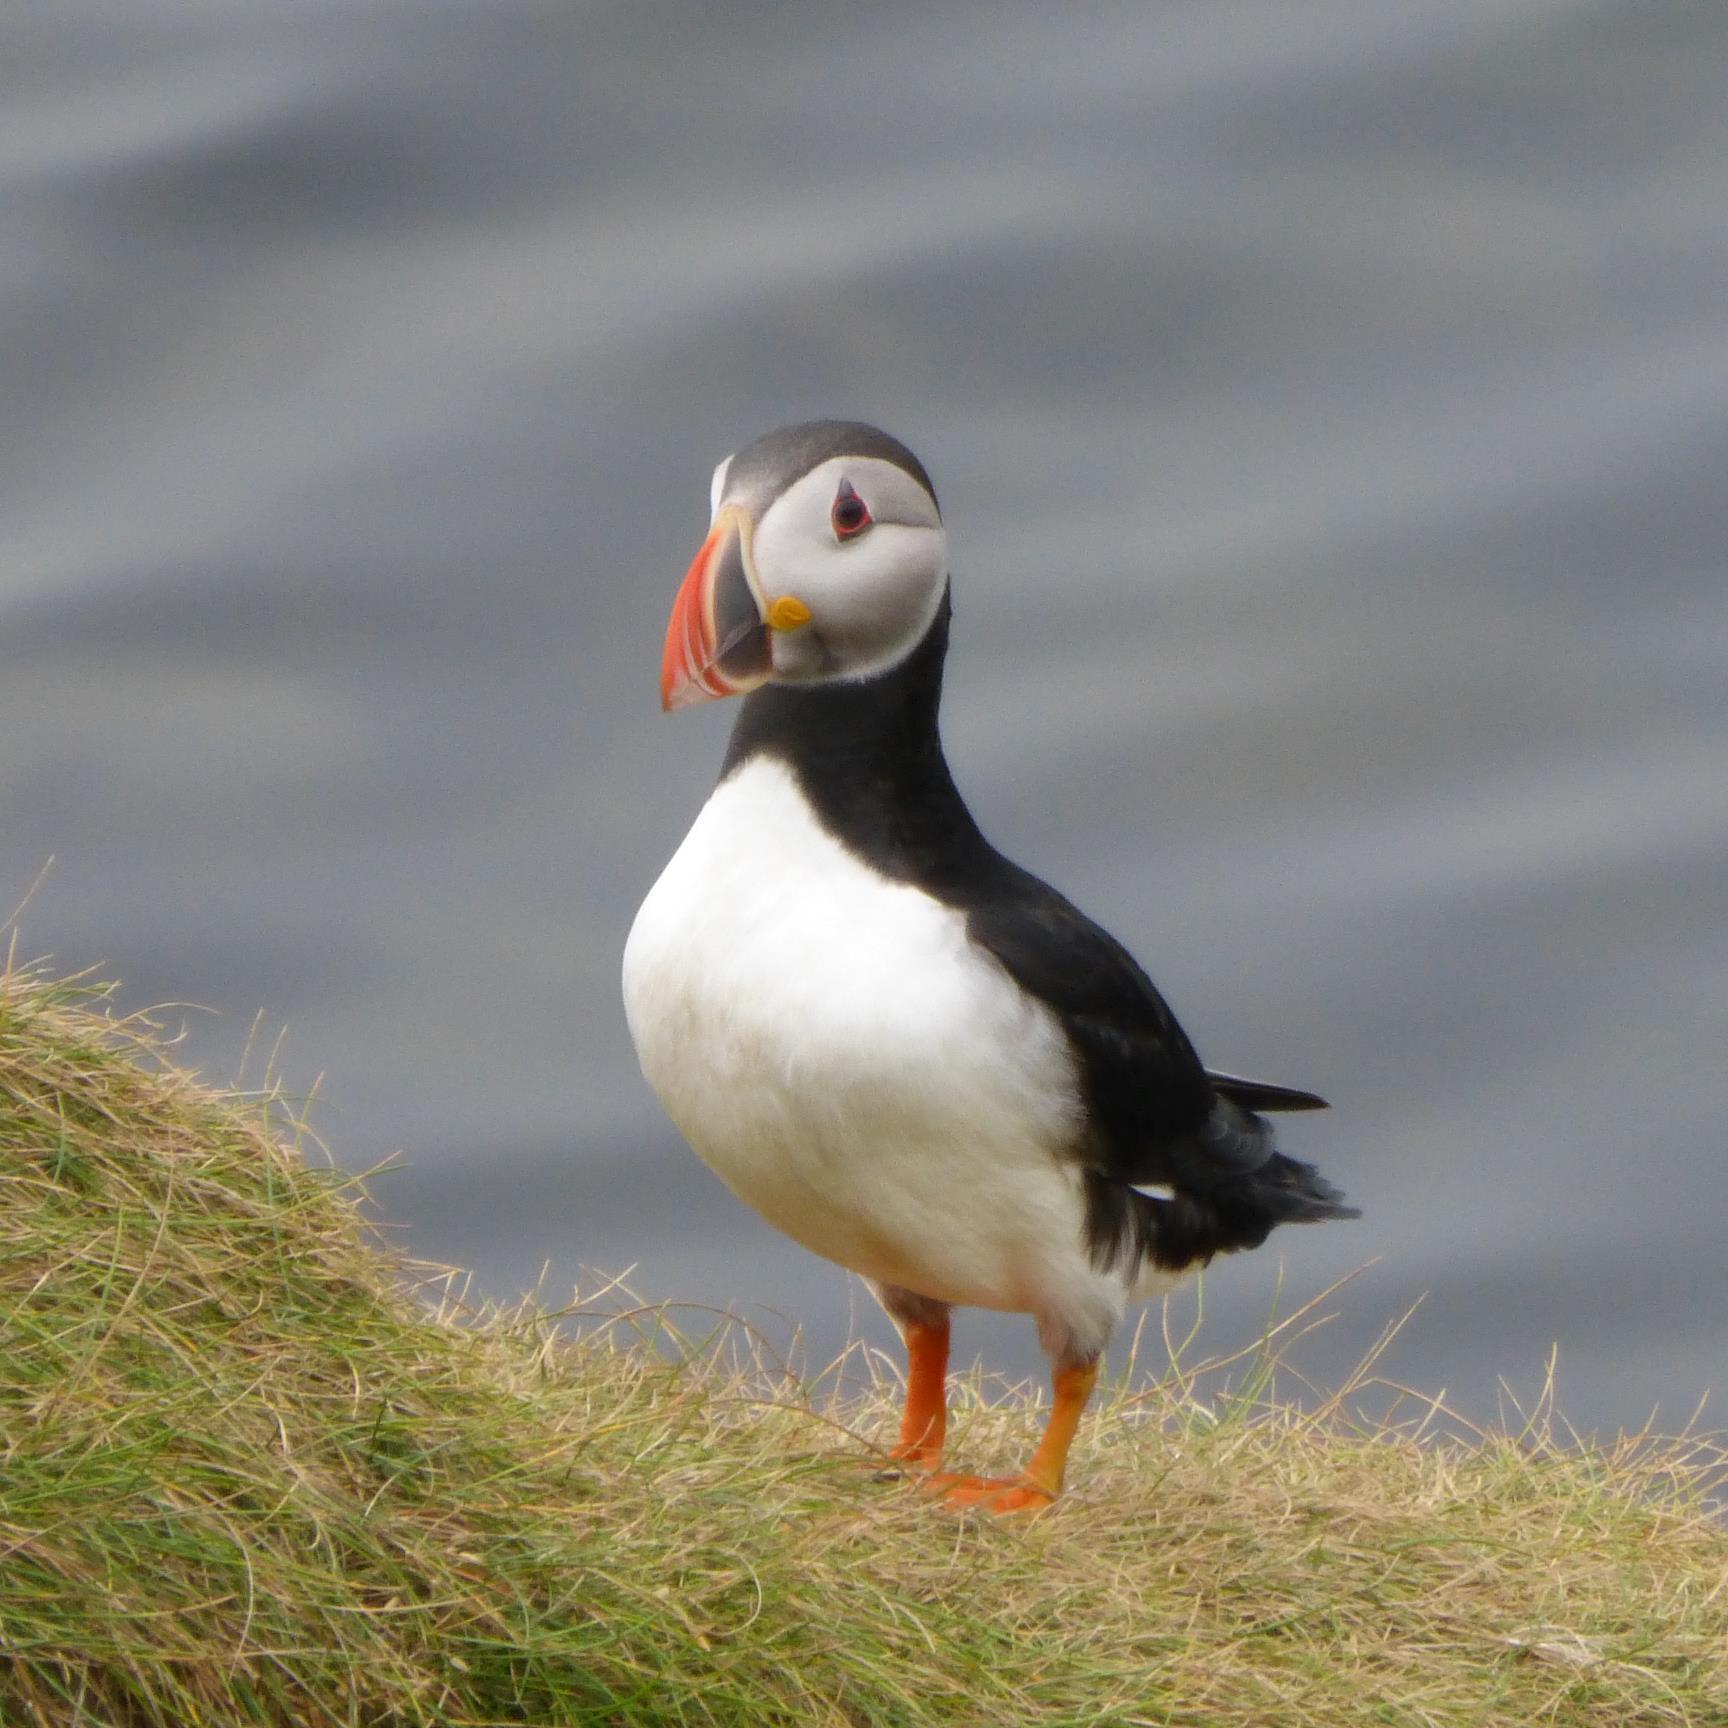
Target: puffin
{"points": [[908, 1053]]}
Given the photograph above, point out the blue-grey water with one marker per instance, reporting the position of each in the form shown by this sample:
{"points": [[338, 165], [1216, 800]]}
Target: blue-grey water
{"points": [[1329, 404]]}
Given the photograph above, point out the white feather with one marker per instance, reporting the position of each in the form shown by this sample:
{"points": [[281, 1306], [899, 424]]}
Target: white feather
{"points": [[717, 487], [845, 1059]]}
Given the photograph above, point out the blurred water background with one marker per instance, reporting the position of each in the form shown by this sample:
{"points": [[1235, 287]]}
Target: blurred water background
{"points": [[1329, 404]]}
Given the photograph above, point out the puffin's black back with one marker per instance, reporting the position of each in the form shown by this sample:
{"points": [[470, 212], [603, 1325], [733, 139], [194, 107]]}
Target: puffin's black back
{"points": [[868, 756]]}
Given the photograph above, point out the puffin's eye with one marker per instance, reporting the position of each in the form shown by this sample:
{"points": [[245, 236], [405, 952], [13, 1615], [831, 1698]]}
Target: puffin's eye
{"points": [[850, 515]]}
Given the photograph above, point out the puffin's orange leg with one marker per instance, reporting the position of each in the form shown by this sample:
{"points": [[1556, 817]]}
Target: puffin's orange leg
{"points": [[1041, 1481], [925, 1423]]}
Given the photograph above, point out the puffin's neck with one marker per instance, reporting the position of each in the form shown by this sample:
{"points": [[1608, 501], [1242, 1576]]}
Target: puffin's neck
{"points": [[868, 756]]}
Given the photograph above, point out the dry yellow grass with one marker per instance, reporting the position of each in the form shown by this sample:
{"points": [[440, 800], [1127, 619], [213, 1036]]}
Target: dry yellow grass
{"points": [[247, 1475]]}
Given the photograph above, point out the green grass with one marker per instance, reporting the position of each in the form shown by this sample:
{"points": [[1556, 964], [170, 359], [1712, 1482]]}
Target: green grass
{"points": [[250, 1473]]}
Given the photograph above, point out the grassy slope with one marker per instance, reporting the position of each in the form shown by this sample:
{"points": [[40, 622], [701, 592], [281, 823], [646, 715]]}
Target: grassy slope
{"points": [[246, 1476]]}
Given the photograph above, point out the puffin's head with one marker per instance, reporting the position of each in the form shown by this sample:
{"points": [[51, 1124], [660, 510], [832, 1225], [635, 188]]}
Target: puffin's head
{"points": [[825, 559]]}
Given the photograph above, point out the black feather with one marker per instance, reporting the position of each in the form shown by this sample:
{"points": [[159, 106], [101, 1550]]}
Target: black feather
{"points": [[1190, 1227], [1258, 1095]]}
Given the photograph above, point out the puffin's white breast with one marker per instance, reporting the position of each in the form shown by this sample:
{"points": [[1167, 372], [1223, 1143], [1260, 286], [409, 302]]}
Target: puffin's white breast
{"points": [[845, 1059]]}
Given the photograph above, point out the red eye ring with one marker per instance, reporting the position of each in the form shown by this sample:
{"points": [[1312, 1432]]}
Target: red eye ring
{"points": [[850, 515]]}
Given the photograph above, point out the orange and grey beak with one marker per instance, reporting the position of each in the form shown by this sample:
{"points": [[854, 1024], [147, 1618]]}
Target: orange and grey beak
{"points": [[718, 641]]}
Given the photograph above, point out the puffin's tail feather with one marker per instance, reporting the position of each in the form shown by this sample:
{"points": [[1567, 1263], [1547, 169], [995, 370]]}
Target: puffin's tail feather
{"points": [[1188, 1228], [1297, 1193]]}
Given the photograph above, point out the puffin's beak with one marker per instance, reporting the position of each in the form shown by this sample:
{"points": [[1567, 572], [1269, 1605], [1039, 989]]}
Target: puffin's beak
{"points": [[718, 638]]}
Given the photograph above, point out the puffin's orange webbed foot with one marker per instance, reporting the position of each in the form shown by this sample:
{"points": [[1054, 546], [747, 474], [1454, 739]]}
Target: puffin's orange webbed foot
{"points": [[999, 1494], [903, 1463], [915, 1460], [1041, 1481]]}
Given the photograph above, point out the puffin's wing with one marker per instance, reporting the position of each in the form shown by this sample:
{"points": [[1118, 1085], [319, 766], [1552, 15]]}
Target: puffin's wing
{"points": [[1153, 1114]]}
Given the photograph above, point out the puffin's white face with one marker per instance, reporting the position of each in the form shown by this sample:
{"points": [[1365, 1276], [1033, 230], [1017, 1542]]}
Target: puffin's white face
{"points": [[809, 573]]}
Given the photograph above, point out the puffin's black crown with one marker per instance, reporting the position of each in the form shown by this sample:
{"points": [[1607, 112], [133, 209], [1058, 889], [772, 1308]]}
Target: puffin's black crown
{"points": [[778, 458]]}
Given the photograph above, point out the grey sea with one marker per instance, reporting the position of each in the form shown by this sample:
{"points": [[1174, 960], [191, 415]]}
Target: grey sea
{"points": [[1329, 405]]}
